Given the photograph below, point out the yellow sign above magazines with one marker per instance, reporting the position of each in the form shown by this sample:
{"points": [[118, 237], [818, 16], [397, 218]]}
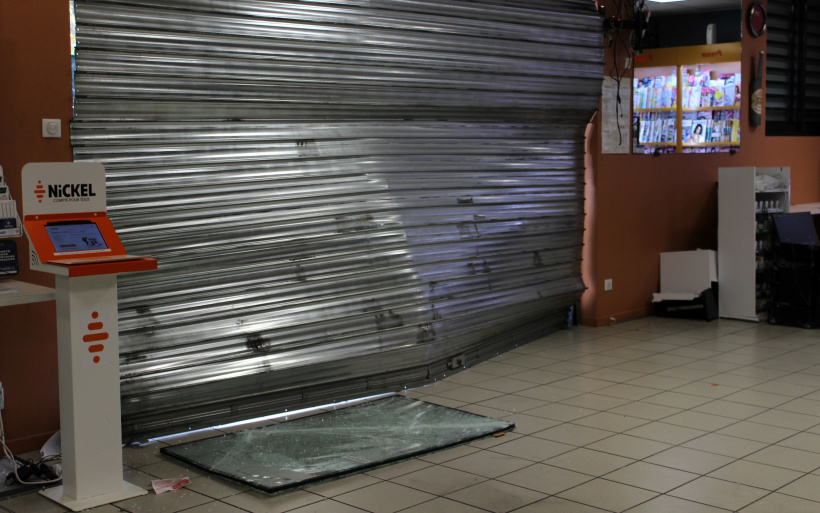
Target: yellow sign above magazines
{"points": [[725, 52]]}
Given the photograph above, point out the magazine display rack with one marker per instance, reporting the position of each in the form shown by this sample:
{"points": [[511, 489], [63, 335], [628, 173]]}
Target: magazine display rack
{"points": [[687, 100]]}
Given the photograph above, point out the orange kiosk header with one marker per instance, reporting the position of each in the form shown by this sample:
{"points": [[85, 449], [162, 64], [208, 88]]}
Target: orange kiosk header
{"points": [[65, 219]]}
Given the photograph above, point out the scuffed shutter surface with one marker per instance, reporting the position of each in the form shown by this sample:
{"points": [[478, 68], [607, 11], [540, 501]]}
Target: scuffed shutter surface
{"points": [[343, 196]]}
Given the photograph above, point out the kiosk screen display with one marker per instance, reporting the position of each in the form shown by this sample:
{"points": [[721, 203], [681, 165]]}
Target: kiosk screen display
{"points": [[75, 236]]}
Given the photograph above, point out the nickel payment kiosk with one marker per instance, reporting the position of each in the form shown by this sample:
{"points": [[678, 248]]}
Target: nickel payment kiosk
{"points": [[64, 214]]}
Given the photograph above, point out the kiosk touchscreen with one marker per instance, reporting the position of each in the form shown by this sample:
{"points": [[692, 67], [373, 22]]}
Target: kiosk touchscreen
{"points": [[76, 237], [64, 215]]}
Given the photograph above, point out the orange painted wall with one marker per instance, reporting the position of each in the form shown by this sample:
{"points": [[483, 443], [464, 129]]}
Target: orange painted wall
{"points": [[645, 205], [36, 63]]}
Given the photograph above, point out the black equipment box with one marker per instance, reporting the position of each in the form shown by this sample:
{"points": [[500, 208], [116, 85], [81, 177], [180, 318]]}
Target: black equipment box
{"points": [[796, 286], [704, 306]]}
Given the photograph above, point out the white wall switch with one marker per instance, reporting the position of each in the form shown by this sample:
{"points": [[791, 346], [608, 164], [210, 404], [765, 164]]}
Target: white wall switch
{"points": [[607, 285], [52, 128]]}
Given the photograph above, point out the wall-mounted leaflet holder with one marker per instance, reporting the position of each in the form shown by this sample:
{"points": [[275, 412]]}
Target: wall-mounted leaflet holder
{"points": [[10, 225], [64, 214]]}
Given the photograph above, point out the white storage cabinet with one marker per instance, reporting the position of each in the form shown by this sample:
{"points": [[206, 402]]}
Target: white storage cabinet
{"points": [[747, 196]]}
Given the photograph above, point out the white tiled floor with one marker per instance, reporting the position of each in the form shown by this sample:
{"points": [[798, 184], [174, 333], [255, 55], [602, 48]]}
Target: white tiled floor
{"points": [[649, 416]]}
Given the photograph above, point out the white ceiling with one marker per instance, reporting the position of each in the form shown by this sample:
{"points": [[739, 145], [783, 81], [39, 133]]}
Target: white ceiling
{"points": [[691, 6]]}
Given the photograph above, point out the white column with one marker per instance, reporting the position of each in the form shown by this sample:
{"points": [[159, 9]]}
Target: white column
{"points": [[88, 360]]}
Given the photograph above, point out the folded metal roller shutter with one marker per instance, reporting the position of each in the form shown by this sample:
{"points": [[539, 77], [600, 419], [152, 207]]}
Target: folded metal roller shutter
{"points": [[342, 195]]}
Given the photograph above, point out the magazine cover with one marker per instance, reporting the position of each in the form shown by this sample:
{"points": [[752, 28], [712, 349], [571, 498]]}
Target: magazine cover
{"points": [[656, 130], [706, 97], [686, 130], [718, 99], [737, 88], [729, 96], [671, 131], [735, 130], [646, 127], [686, 97], [715, 131], [699, 131], [694, 101], [727, 131]]}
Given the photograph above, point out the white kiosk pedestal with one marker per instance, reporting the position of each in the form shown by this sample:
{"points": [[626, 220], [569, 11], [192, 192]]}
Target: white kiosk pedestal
{"points": [[72, 237]]}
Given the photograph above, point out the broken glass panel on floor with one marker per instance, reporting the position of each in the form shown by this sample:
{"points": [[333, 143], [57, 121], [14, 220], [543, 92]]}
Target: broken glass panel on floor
{"points": [[335, 443]]}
